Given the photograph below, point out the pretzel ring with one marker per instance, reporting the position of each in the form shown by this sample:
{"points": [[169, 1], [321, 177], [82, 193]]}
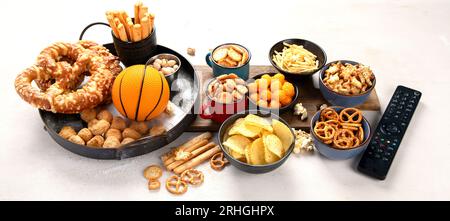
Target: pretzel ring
{"points": [[154, 184], [351, 115], [192, 176], [344, 139], [324, 131], [218, 161], [176, 186], [59, 70], [361, 134], [329, 114], [153, 172]]}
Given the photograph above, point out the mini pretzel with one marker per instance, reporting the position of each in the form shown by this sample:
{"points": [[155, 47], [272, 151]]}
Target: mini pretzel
{"points": [[351, 115], [328, 114], [324, 131], [344, 139], [361, 134], [153, 184], [153, 172], [218, 161], [192, 176], [176, 186]]}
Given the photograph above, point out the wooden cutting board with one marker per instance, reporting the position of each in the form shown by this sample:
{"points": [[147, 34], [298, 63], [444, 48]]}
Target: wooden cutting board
{"points": [[309, 95]]}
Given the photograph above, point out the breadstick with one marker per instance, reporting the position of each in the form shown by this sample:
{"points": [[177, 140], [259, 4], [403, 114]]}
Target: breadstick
{"points": [[117, 21], [191, 148], [130, 29], [136, 12], [145, 25], [113, 25], [194, 140], [197, 160], [142, 11], [137, 32], [194, 153], [151, 19], [122, 33], [121, 17]]}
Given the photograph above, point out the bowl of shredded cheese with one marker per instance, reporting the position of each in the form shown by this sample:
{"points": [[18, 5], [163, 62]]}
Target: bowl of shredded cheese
{"points": [[297, 57]]}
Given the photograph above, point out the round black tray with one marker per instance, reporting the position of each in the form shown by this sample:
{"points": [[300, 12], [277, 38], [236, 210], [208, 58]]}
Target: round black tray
{"points": [[54, 122]]}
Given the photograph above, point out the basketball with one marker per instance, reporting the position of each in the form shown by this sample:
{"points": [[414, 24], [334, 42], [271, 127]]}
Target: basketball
{"points": [[140, 96]]}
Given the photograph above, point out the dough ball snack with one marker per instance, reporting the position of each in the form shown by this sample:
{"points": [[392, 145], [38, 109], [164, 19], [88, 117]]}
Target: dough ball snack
{"points": [[107, 131], [60, 70], [340, 130]]}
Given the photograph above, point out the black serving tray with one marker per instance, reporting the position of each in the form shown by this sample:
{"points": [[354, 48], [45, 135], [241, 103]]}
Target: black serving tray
{"points": [[185, 96]]}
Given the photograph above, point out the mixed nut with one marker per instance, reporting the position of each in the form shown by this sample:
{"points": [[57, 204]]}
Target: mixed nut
{"points": [[227, 89], [165, 66]]}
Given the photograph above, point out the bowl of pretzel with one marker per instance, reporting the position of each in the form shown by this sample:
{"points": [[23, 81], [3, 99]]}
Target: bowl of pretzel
{"points": [[346, 83], [340, 133]]}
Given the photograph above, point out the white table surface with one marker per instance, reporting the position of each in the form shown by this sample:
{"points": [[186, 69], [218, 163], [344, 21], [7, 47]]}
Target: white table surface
{"points": [[405, 42]]}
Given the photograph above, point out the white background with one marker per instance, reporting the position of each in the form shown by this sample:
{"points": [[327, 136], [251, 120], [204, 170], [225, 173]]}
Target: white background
{"points": [[405, 42]]}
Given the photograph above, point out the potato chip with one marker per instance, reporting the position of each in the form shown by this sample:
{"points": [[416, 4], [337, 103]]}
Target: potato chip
{"points": [[246, 130], [237, 143], [269, 157], [248, 154], [237, 156], [257, 152], [257, 121], [273, 144], [284, 133]]}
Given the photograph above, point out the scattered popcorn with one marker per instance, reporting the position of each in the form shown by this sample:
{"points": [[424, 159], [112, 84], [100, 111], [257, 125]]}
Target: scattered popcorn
{"points": [[299, 110], [303, 142]]}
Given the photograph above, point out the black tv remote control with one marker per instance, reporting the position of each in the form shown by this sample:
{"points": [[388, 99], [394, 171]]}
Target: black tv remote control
{"points": [[386, 139]]}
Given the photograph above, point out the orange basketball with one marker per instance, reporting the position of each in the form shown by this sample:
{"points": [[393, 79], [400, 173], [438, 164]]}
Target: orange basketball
{"points": [[140, 96]]}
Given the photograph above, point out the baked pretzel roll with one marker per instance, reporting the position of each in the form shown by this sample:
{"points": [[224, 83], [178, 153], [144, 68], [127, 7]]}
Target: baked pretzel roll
{"points": [[59, 71]]}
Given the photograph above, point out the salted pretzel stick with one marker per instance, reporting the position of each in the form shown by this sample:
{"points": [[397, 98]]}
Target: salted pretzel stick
{"points": [[130, 30], [194, 153], [204, 136], [137, 32], [136, 12], [120, 16], [145, 24], [197, 160], [122, 33], [151, 18], [113, 26], [142, 11], [188, 149]]}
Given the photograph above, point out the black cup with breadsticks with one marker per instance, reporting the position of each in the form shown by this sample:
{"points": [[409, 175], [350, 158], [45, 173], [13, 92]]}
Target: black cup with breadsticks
{"points": [[134, 38]]}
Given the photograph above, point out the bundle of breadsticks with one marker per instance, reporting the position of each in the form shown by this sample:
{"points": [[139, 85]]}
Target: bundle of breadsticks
{"points": [[191, 154], [123, 27]]}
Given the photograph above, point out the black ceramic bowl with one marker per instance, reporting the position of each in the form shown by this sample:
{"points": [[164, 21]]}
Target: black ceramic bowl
{"points": [[256, 169], [280, 110], [308, 45]]}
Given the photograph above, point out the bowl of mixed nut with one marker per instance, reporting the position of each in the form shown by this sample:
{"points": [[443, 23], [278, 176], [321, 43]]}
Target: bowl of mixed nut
{"points": [[166, 64], [225, 96], [346, 83]]}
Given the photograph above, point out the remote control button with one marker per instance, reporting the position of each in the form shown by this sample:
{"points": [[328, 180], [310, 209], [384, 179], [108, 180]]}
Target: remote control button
{"points": [[385, 159], [416, 93], [390, 149], [377, 156]]}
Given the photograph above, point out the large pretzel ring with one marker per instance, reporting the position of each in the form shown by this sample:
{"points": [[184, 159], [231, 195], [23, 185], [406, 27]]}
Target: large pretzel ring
{"points": [[175, 185], [60, 69], [218, 161], [351, 115]]}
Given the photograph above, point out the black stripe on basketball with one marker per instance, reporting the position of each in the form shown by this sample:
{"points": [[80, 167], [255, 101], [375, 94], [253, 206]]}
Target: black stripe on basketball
{"points": [[120, 97], [159, 100], [140, 94]]}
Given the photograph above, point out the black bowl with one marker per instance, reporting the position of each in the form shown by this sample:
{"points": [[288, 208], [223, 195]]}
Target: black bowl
{"points": [[256, 169], [273, 110], [308, 45]]}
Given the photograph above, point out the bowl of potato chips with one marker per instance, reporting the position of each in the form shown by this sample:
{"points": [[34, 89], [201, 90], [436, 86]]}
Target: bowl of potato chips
{"points": [[346, 83], [297, 57], [256, 141]]}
